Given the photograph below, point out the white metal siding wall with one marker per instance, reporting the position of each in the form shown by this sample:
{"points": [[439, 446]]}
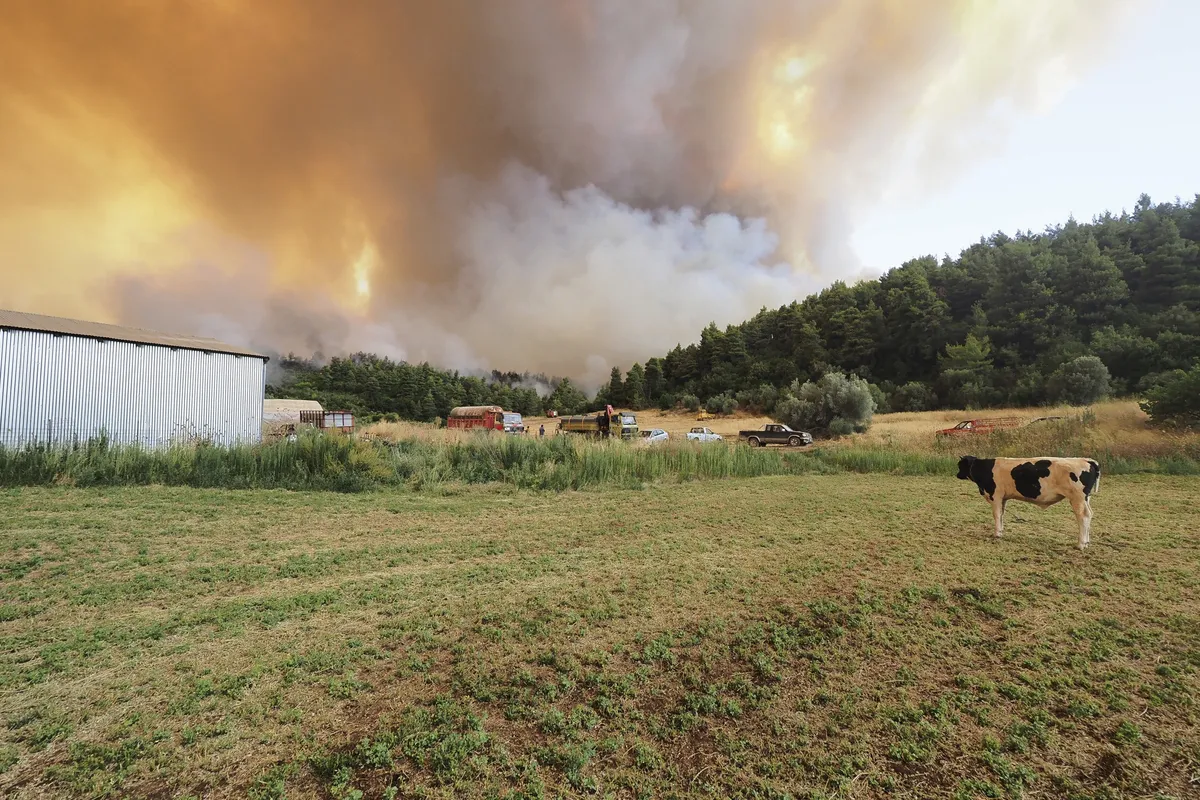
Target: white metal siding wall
{"points": [[60, 388]]}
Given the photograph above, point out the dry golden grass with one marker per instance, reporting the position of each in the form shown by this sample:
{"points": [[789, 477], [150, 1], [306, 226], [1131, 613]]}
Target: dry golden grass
{"points": [[1116, 428], [423, 431], [1117, 415]]}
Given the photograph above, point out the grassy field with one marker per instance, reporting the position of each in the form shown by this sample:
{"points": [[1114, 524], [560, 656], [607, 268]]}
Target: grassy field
{"points": [[782, 637]]}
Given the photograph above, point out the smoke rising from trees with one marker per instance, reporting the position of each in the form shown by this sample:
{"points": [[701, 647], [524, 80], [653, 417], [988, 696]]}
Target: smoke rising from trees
{"points": [[547, 186]]}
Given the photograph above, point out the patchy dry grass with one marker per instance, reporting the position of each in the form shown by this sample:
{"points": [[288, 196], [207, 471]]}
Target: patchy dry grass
{"points": [[1118, 427], [823, 636], [1117, 434], [396, 432]]}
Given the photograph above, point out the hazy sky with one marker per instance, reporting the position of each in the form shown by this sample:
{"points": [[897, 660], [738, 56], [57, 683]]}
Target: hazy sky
{"points": [[1130, 126]]}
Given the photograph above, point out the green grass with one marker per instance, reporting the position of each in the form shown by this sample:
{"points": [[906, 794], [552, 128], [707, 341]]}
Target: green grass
{"points": [[817, 636], [556, 464], [341, 464]]}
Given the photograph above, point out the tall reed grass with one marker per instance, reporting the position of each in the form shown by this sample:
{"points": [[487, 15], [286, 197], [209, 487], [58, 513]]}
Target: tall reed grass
{"points": [[419, 462]]}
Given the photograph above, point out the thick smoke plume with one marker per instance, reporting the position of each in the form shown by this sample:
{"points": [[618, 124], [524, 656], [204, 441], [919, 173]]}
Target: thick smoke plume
{"points": [[548, 185]]}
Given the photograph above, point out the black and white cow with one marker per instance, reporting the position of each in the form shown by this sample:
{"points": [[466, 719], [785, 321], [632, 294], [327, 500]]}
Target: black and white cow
{"points": [[1041, 481]]}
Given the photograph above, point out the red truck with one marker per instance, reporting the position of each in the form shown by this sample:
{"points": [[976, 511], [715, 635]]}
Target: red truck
{"points": [[973, 427], [487, 418]]}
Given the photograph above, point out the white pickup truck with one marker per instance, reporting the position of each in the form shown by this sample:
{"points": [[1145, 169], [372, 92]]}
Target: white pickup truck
{"points": [[703, 435]]}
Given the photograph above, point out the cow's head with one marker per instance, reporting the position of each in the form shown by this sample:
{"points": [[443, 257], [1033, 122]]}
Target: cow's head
{"points": [[964, 467]]}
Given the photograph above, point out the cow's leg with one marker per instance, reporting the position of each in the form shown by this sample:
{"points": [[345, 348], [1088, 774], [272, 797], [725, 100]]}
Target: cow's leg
{"points": [[998, 514], [1083, 514], [1087, 522]]}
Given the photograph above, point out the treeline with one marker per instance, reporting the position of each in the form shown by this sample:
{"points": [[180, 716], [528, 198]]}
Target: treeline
{"points": [[374, 387], [1069, 314], [1110, 307]]}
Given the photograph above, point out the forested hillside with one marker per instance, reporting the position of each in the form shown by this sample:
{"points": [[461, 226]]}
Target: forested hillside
{"points": [[370, 386], [994, 326], [1004, 323]]}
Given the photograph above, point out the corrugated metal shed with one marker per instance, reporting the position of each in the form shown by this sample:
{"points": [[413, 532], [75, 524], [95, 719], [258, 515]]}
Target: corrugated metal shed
{"points": [[19, 320], [63, 381]]}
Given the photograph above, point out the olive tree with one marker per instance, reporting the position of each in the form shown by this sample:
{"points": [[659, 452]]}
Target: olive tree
{"points": [[834, 405]]}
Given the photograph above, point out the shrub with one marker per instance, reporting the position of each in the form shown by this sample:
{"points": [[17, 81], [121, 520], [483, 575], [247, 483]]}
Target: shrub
{"points": [[721, 404], [1156, 379], [840, 426], [690, 402], [835, 405], [667, 402], [880, 398], [913, 396], [1175, 401], [1080, 382], [761, 400]]}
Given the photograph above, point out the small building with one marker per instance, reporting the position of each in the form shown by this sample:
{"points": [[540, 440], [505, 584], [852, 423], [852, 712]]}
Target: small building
{"points": [[64, 380]]}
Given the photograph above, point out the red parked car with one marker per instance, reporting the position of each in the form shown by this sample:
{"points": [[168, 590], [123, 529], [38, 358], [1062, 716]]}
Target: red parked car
{"points": [[971, 427]]}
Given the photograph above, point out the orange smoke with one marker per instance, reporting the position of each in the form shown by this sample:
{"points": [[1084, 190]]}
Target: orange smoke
{"points": [[342, 176]]}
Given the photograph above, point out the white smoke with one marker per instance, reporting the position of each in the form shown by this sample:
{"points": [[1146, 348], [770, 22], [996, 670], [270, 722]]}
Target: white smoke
{"points": [[555, 277]]}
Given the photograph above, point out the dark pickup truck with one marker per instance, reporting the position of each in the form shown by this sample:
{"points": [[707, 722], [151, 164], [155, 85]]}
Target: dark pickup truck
{"points": [[776, 434]]}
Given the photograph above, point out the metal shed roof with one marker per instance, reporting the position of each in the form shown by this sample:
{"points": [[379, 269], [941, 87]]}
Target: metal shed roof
{"points": [[19, 320]]}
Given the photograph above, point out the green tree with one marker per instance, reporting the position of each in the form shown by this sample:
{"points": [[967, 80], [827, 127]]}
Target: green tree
{"points": [[1175, 401], [567, 398], [615, 391], [654, 380], [721, 404], [761, 400], [966, 371], [1022, 307], [1080, 382], [635, 387], [1128, 355], [913, 396], [526, 402], [835, 405], [1171, 271], [428, 408], [916, 320], [1086, 279]]}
